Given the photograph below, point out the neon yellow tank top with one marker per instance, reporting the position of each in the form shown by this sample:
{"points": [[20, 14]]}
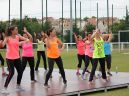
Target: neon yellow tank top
{"points": [[40, 46], [98, 49]]}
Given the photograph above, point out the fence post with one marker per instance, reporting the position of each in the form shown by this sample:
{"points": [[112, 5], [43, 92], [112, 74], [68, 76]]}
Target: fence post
{"points": [[122, 46], [67, 46]]}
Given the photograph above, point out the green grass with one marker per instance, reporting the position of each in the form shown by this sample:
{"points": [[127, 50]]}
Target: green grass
{"points": [[118, 59]]}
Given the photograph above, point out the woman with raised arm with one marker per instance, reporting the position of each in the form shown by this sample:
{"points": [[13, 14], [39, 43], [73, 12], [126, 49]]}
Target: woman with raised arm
{"points": [[107, 50], [28, 54], [98, 55], [88, 53], [12, 40], [54, 55], [41, 51], [80, 43]]}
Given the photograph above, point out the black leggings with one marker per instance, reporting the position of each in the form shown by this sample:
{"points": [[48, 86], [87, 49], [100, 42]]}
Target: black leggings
{"points": [[39, 54], [51, 65], [80, 58], [87, 62], [30, 60], [11, 64], [2, 60], [102, 65], [108, 60]]}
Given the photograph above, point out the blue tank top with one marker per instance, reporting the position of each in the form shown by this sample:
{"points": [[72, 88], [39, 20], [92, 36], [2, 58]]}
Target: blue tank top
{"points": [[107, 48]]}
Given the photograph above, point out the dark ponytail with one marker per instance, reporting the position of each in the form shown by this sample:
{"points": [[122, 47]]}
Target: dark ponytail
{"points": [[49, 31], [9, 30]]}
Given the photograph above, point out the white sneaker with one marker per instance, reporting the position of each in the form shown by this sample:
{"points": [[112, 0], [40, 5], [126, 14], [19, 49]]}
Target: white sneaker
{"points": [[19, 88], [99, 75], [33, 81], [4, 91], [45, 71]]}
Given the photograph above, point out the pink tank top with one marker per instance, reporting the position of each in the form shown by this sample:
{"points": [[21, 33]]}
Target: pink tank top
{"points": [[81, 47], [27, 50], [89, 50], [12, 48]]}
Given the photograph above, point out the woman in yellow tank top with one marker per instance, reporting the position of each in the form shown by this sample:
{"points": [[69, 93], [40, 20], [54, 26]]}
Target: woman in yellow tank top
{"points": [[53, 55], [98, 55], [41, 51]]}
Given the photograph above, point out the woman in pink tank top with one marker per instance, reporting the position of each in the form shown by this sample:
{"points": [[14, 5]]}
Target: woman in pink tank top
{"points": [[28, 54], [80, 51], [12, 55], [88, 53]]}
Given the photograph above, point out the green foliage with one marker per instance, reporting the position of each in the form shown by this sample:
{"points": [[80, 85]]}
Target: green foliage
{"points": [[3, 26], [89, 27], [120, 26], [85, 18], [47, 26], [32, 25], [75, 29]]}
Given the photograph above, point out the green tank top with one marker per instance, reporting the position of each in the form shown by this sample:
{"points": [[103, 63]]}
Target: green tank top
{"points": [[40, 46], [98, 49]]}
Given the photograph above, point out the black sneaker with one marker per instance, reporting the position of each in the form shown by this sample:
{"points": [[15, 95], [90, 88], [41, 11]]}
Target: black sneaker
{"points": [[46, 86], [65, 82], [88, 71], [36, 70], [51, 76], [109, 73], [33, 81]]}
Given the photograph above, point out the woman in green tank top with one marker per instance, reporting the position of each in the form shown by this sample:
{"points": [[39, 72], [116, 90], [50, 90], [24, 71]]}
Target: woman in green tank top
{"points": [[41, 51], [98, 55]]}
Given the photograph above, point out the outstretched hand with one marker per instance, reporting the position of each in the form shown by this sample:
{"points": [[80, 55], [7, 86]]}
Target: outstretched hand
{"points": [[25, 30]]}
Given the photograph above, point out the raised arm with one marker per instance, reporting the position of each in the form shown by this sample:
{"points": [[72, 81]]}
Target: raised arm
{"points": [[75, 36], [110, 37], [93, 35], [28, 34]]}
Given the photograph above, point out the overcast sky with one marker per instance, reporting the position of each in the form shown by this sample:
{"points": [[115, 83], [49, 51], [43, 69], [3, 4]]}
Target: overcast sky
{"points": [[32, 8]]}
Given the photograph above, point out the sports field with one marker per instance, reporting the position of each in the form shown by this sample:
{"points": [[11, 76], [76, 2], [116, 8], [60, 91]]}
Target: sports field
{"points": [[119, 60]]}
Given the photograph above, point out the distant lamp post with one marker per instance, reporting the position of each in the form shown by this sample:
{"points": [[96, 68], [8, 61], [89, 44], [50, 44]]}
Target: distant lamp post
{"points": [[20, 15], [9, 15], [42, 14]]}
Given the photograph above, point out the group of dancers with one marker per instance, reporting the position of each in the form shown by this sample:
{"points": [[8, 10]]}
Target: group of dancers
{"points": [[18, 61], [93, 48]]}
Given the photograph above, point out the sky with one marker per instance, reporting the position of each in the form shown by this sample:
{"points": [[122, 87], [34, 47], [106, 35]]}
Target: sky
{"points": [[32, 8]]}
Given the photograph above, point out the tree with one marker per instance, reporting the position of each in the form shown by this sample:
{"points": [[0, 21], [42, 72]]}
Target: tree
{"points": [[3, 26], [89, 27], [75, 29], [93, 17], [47, 26], [85, 19]]}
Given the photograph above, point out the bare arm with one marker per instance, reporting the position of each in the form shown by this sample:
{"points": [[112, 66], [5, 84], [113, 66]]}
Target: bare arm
{"points": [[28, 34], [75, 36], [47, 41], [61, 43], [93, 35], [5, 41], [110, 37]]}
